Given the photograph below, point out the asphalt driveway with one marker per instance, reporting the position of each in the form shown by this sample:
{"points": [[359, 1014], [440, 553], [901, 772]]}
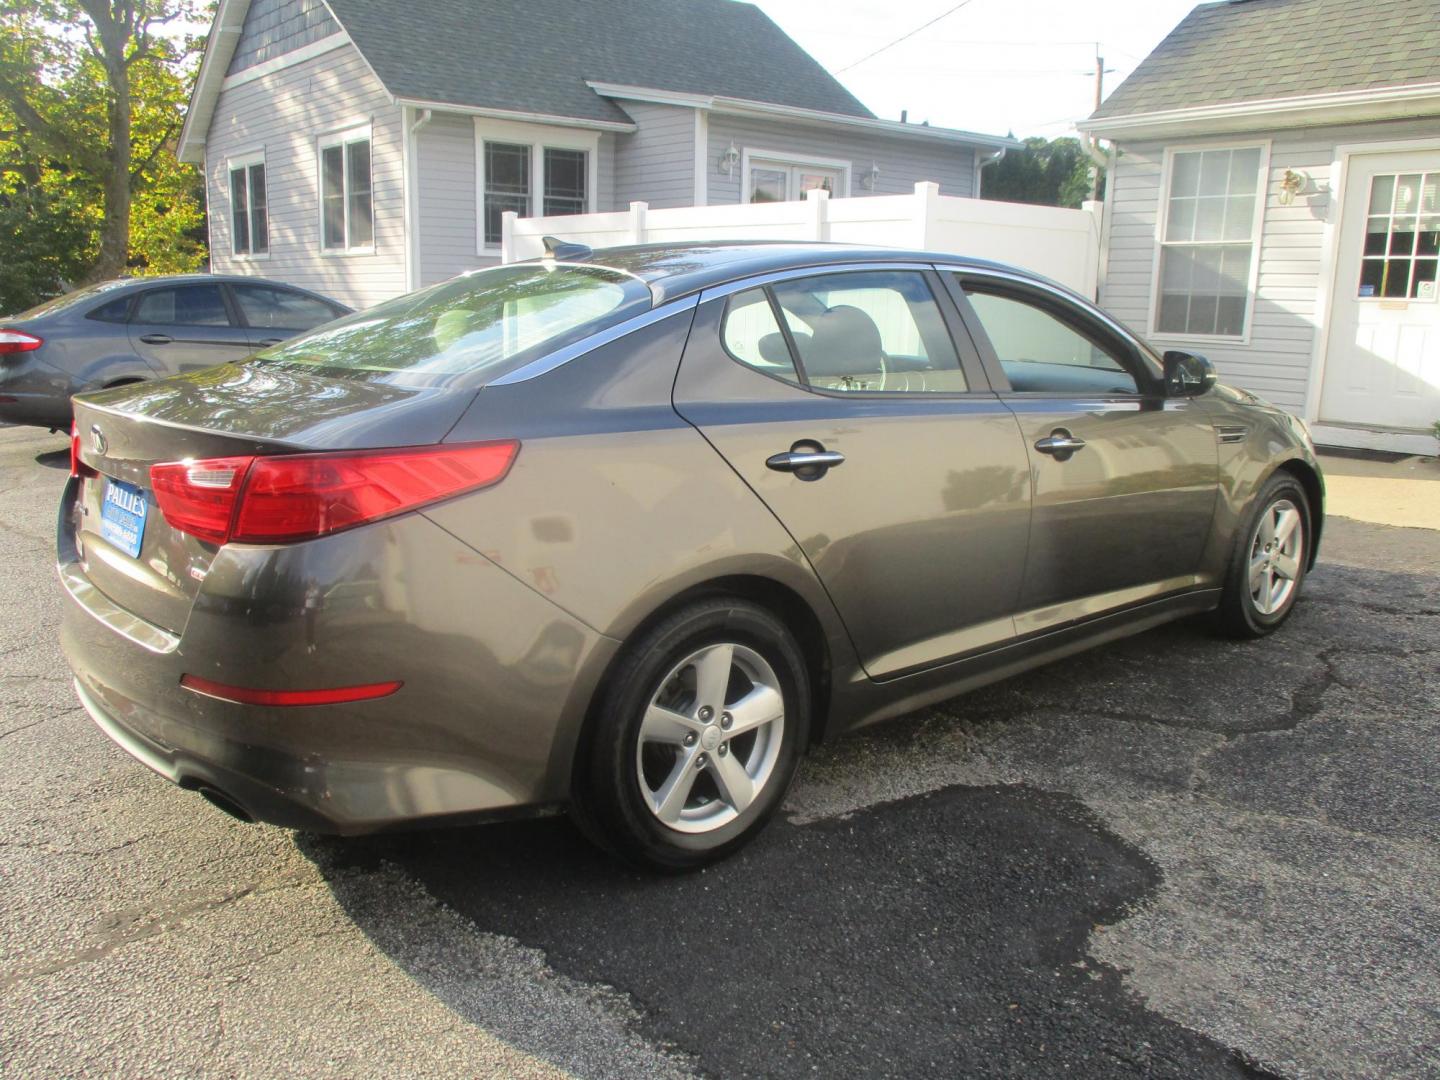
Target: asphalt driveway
{"points": [[1174, 856]]}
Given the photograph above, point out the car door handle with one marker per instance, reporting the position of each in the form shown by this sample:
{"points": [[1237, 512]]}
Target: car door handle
{"points": [[795, 460], [1062, 444], [156, 339], [267, 342]]}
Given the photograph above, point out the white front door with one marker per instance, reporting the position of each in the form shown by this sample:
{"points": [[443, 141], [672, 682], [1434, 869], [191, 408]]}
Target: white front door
{"points": [[1382, 367]]}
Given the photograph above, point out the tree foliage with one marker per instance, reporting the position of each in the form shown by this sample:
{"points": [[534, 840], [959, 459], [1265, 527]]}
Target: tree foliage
{"points": [[1050, 172], [92, 94]]}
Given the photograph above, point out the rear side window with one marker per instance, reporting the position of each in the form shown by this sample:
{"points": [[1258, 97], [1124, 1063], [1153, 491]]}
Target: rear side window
{"points": [[480, 322], [868, 331], [115, 311], [269, 308], [185, 305], [752, 336]]}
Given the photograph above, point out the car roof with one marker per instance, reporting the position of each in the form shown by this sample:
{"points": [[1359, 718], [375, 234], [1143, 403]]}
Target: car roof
{"points": [[676, 270]]}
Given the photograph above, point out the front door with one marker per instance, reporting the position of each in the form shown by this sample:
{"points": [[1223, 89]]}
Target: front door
{"points": [[1125, 480], [1382, 366], [900, 476]]}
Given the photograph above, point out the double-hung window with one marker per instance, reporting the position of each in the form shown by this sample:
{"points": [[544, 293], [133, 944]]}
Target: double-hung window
{"points": [[347, 205], [249, 222], [1209, 239], [527, 170]]}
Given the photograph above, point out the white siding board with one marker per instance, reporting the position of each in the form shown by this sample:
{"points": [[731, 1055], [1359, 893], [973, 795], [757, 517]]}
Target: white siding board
{"points": [[655, 164], [283, 113]]}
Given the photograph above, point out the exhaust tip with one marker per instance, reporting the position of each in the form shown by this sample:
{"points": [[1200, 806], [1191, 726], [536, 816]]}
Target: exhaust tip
{"points": [[221, 801]]}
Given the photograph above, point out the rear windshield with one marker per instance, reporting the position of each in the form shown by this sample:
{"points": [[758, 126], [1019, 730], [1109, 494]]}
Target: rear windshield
{"points": [[70, 299], [482, 323]]}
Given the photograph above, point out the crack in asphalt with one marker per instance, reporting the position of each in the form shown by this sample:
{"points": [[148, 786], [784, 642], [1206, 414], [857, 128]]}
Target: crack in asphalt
{"points": [[152, 927]]}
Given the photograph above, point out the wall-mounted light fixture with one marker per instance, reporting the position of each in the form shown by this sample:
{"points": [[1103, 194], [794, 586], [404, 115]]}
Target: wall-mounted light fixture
{"points": [[1291, 184], [729, 160], [871, 178]]}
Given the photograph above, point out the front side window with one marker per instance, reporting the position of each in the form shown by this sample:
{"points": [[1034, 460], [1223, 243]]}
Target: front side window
{"points": [[270, 308], [347, 207], [187, 305], [249, 222], [476, 323], [510, 172], [1208, 242], [857, 331], [1402, 237], [1042, 353]]}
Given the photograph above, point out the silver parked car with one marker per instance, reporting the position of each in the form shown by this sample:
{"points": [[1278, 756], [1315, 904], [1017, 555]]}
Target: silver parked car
{"points": [[628, 531], [136, 329]]}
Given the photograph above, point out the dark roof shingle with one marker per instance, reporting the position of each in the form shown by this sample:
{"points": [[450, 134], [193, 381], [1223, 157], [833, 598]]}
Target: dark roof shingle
{"points": [[1254, 50], [536, 56]]}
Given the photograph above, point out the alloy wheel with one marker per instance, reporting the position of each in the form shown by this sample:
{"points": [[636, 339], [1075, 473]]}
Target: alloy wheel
{"points": [[710, 738], [1276, 549]]}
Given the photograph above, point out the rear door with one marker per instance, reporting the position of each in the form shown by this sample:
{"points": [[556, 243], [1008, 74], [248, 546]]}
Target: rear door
{"points": [[179, 328], [1125, 478], [272, 313], [842, 401]]}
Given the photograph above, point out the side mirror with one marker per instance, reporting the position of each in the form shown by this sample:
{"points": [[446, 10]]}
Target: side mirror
{"points": [[1187, 375]]}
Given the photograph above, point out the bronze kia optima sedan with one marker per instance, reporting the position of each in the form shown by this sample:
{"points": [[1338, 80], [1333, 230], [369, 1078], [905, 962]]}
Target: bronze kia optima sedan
{"points": [[629, 530]]}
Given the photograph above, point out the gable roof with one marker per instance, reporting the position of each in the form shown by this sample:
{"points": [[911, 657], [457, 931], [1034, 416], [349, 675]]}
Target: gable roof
{"points": [[1239, 51], [537, 56]]}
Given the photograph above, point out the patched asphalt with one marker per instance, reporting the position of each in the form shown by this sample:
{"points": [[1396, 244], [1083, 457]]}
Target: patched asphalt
{"points": [[1174, 856]]}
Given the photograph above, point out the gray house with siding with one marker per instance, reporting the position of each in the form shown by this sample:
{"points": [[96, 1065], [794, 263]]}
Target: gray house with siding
{"points": [[363, 148], [1274, 203]]}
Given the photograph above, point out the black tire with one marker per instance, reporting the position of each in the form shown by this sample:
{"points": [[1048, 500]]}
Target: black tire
{"points": [[607, 799], [1238, 615]]}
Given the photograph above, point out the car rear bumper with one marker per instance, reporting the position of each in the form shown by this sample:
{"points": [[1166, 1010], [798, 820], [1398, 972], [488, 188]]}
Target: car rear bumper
{"points": [[496, 682], [32, 392]]}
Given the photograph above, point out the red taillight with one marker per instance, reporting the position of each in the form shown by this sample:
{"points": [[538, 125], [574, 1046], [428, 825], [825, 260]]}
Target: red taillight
{"points": [[18, 341], [270, 500], [198, 497], [245, 695], [77, 467]]}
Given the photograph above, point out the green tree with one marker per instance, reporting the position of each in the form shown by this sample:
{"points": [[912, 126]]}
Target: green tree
{"points": [[1050, 172], [92, 94]]}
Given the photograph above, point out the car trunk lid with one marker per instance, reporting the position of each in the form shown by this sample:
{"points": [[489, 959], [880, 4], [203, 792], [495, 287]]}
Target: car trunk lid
{"points": [[126, 547]]}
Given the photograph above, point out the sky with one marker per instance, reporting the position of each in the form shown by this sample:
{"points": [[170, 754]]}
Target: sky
{"points": [[993, 66]]}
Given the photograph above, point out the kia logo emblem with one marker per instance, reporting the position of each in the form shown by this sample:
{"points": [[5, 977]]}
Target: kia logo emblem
{"points": [[97, 440]]}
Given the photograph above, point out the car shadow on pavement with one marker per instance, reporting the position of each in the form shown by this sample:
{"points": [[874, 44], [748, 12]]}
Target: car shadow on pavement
{"points": [[54, 459], [943, 934]]}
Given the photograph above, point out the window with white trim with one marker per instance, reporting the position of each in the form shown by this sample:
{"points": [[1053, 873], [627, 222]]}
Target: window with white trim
{"points": [[347, 202], [529, 178], [776, 179], [1208, 243], [249, 217]]}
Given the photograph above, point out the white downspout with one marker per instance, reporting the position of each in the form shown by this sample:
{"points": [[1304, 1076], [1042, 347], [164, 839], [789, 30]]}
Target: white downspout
{"points": [[411, 187], [981, 160]]}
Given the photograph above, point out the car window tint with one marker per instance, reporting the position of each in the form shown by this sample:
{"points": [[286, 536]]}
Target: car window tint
{"points": [[872, 331], [280, 309], [1040, 353], [187, 305], [114, 311], [752, 336]]}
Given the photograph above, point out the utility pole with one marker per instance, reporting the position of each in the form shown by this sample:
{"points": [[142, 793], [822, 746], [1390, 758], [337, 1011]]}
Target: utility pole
{"points": [[1099, 93]]}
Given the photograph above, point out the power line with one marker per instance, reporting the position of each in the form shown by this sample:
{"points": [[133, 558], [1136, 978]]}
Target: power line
{"points": [[904, 37]]}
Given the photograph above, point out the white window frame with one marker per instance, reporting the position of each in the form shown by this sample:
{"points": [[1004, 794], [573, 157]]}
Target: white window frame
{"points": [[755, 155], [1257, 229], [539, 138], [244, 161], [343, 137]]}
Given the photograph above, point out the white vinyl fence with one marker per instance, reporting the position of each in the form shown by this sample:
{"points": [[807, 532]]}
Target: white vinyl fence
{"points": [[1061, 244]]}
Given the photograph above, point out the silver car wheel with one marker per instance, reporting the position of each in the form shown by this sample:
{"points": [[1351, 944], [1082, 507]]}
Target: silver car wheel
{"points": [[710, 738], [1276, 549]]}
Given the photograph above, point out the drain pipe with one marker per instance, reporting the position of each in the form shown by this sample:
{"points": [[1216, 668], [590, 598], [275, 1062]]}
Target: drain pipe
{"points": [[981, 160]]}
